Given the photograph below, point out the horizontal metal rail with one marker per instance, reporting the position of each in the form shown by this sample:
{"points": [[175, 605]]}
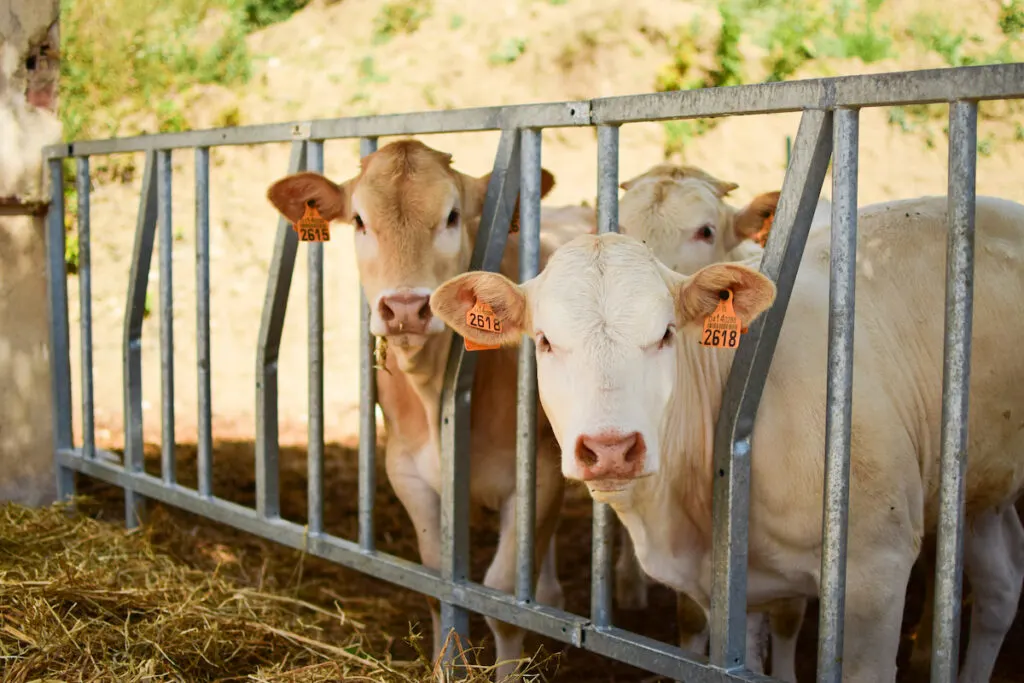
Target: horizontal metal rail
{"points": [[1001, 81], [557, 624]]}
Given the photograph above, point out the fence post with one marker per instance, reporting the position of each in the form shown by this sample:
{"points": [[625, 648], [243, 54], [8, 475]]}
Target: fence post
{"points": [[367, 407]]}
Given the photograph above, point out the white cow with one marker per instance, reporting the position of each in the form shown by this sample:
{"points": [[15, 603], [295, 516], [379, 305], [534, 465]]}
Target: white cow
{"points": [[632, 398]]}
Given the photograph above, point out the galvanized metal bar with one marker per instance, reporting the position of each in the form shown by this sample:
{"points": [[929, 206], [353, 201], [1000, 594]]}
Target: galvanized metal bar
{"points": [[367, 408], [875, 90], [135, 311], [83, 186], [989, 82], [562, 626], [956, 376], [797, 202], [502, 192], [279, 281], [526, 401], [315, 306], [60, 341], [204, 439], [603, 524], [839, 394], [167, 460]]}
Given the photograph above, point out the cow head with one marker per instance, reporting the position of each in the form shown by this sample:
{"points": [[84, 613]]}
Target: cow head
{"points": [[415, 220], [616, 336], [680, 212]]}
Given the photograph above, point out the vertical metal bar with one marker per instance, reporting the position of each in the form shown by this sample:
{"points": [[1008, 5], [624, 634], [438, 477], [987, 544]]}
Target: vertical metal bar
{"points": [[204, 445], [956, 374], [502, 193], [315, 315], [367, 408], [526, 402], [603, 517], [167, 462], [730, 507], [839, 396], [83, 184], [60, 341], [275, 303], [138, 279]]}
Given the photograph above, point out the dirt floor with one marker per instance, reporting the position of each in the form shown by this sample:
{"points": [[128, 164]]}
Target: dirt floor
{"points": [[209, 545]]}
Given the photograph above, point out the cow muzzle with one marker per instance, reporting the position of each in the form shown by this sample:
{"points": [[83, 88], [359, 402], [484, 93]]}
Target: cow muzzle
{"points": [[405, 313]]}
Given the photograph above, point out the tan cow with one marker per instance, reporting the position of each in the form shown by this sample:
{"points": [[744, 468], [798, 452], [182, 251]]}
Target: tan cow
{"points": [[632, 397], [416, 220]]}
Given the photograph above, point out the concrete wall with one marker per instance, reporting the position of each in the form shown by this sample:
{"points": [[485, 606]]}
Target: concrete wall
{"points": [[29, 66]]}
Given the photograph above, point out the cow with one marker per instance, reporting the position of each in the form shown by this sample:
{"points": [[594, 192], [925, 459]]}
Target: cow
{"points": [[680, 212], [416, 220], [632, 395]]}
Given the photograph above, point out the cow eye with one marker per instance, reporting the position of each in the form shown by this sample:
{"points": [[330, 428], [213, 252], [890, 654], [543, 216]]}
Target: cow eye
{"points": [[358, 220], [666, 338], [543, 345], [453, 218], [705, 233]]}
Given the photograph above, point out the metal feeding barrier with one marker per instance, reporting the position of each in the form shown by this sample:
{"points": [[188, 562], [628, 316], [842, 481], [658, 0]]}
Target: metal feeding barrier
{"points": [[828, 129]]}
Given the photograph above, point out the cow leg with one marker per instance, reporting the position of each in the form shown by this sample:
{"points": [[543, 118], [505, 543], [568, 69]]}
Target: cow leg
{"points": [[994, 564], [876, 588], [757, 641], [549, 590], [785, 619], [423, 505], [501, 575], [630, 579], [692, 624]]}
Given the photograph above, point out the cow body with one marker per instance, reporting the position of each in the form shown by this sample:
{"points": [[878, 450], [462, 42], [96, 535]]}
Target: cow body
{"points": [[416, 221], [618, 332]]}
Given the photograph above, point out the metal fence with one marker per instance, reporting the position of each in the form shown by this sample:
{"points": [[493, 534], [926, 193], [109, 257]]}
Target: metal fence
{"points": [[828, 130]]}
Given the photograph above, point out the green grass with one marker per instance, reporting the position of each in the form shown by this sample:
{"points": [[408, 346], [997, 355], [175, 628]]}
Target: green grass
{"points": [[399, 16]]}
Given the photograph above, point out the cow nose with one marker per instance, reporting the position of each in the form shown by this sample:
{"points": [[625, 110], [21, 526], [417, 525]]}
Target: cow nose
{"points": [[405, 312], [610, 455]]}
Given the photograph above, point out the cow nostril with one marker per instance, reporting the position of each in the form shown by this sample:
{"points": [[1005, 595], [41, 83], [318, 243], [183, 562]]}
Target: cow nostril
{"points": [[584, 455], [424, 312], [386, 313], [637, 449]]}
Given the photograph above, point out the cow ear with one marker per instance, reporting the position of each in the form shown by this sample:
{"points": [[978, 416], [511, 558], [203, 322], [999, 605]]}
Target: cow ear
{"points": [[453, 301], [477, 191], [756, 217], [291, 194], [699, 295]]}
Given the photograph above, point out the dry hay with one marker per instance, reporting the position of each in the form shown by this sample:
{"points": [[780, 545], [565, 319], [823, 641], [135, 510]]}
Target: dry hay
{"points": [[83, 600]]}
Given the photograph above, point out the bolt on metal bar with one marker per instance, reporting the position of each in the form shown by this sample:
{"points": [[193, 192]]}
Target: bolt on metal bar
{"points": [[204, 445], [526, 400], [135, 310], [602, 541], [839, 394], [956, 375], [82, 183], [797, 202], [164, 173], [367, 408], [60, 340], [275, 304], [502, 193], [315, 304]]}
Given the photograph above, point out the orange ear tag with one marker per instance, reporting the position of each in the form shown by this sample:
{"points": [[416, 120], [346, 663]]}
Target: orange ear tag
{"points": [[481, 317], [722, 329], [312, 227]]}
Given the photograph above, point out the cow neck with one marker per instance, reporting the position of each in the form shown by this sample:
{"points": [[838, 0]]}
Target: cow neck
{"points": [[424, 366], [688, 431]]}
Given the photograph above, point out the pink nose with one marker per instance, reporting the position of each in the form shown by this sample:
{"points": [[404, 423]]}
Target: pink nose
{"points": [[610, 455], [405, 313]]}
